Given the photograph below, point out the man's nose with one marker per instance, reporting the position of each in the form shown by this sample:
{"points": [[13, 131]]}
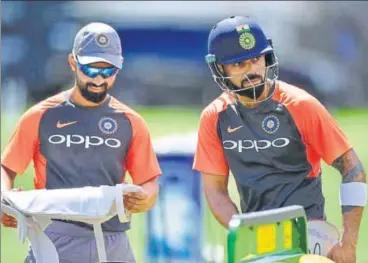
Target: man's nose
{"points": [[99, 80], [247, 68]]}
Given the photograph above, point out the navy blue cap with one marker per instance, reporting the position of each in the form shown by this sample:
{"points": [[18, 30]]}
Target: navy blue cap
{"points": [[98, 42]]}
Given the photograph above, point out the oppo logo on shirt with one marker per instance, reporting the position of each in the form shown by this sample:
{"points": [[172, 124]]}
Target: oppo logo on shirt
{"points": [[242, 145], [87, 141]]}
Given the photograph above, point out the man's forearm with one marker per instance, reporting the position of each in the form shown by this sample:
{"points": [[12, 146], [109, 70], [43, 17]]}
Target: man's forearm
{"points": [[352, 171], [351, 223], [7, 179], [221, 206]]}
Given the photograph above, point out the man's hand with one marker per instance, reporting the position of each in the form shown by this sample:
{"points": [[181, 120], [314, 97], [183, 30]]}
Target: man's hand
{"points": [[136, 202], [215, 189], [9, 221], [143, 200], [343, 253]]}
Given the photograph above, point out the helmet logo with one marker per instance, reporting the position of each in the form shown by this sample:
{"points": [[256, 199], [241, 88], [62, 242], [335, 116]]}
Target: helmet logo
{"points": [[247, 41]]}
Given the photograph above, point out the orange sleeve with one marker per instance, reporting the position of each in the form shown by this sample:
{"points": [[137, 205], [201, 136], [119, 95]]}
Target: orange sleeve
{"points": [[320, 130], [141, 162], [22, 145], [209, 156]]}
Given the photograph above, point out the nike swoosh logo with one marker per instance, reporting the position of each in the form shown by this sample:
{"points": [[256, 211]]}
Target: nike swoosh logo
{"points": [[230, 130], [62, 125]]}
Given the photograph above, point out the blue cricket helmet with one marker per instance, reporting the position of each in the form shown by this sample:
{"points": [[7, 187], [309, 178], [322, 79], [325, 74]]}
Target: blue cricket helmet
{"points": [[236, 39]]}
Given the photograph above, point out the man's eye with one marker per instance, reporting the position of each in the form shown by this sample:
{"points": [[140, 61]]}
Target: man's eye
{"points": [[240, 64], [255, 59]]}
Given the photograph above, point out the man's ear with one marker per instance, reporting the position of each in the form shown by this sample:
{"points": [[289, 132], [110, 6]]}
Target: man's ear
{"points": [[71, 61], [221, 68]]}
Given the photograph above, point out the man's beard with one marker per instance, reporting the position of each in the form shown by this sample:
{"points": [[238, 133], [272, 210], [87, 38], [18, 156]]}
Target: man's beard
{"points": [[250, 92], [95, 97]]}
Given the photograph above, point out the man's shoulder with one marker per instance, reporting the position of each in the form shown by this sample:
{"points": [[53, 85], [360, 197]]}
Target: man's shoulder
{"points": [[293, 96], [218, 105], [121, 107], [39, 108]]}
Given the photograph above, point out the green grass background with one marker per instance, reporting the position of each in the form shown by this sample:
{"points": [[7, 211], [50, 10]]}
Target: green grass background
{"points": [[163, 121]]}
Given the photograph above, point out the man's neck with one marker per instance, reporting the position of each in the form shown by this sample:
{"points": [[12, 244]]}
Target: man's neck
{"points": [[247, 102]]}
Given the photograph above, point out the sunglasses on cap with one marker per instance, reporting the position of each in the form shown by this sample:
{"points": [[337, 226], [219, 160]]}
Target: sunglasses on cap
{"points": [[93, 72]]}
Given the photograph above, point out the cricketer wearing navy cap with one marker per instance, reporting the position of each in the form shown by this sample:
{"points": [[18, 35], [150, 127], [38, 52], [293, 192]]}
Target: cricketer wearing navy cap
{"points": [[97, 43], [85, 137]]}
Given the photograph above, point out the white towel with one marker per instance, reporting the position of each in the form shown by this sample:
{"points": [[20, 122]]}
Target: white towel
{"points": [[94, 205]]}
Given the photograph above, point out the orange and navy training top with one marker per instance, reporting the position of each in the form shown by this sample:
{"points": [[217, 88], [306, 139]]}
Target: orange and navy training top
{"points": [[73, 146], [273, 150]]}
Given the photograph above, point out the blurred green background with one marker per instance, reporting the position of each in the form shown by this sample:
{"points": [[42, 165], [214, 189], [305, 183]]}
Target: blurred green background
{"points": [[161, 122]]}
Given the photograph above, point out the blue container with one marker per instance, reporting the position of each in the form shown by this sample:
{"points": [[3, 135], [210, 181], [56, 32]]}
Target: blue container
{"points": [[174, 225]]}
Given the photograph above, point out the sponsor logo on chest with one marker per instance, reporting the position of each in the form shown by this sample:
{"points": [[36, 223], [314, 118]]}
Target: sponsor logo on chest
{"points": [[106, 125], [257, 145], [270, 125]]}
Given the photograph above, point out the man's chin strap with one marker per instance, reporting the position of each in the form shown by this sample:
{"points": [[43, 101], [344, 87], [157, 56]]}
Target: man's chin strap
{"points": [[92, 205], [258, 92], [252, 91]]}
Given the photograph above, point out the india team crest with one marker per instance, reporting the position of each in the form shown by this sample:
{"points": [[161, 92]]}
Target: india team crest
{"points": [[102, 40], [247, 40], [270, 124], [108, 125]]}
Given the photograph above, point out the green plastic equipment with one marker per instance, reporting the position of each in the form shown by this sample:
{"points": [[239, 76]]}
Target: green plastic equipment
{"points": [[277, 235]]}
